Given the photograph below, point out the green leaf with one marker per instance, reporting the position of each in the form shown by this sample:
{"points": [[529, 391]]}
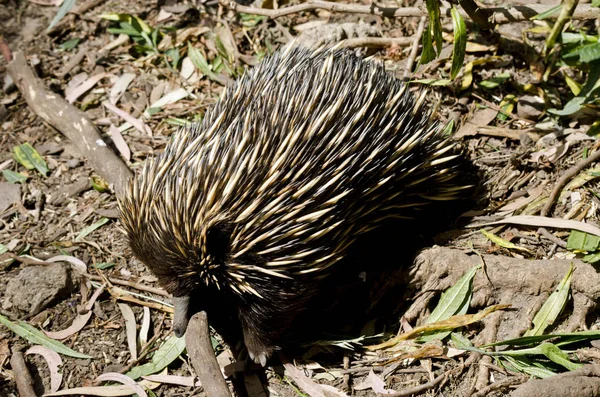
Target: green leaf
{"points": [[69, 44], [435, 23], [99, 184], [495, 81], [455, 300], [29, 158], [557, 356], [583, 242], [562, 338], [552, 308], [460, 341], [175, 56], [3, 249], [573, 106], [65, 7], [37, 337], [104, 265], [428, 53], [587, 53], [528, 367], [460, 42], [200, 62], [591, 258], [165, 355], [587, 94], [136, 24], [90, 229], [13, 177], [503, 243]]}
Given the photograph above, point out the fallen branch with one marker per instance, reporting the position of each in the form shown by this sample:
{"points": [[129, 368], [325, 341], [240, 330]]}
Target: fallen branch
{"points": [[71, 122], [22, 375], [199, 348], [497, 15]]}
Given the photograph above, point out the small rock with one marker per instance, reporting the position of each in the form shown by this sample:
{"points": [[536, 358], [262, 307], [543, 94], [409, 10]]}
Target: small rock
{"points": [[526, 140], [73, 163], [36, 287], [530, 107]]}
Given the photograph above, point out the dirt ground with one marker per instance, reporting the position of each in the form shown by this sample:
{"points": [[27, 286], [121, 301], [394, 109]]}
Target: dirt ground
{"points": [[44, 216]]}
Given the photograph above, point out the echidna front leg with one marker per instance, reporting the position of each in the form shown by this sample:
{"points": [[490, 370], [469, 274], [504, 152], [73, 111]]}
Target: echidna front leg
{"points": [[260, 333]]}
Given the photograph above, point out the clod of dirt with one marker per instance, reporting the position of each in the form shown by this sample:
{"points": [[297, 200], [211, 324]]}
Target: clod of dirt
{"points": [[525, 284], [36, 287], [584, 382], [9, 194]]}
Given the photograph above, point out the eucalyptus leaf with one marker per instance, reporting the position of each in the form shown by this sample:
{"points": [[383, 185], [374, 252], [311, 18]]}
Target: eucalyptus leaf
{"points": [[13, 177], [64, 8], [90, 229], [460, 42], [165, 355], [37, 337], [29, 158], [553, 306]]}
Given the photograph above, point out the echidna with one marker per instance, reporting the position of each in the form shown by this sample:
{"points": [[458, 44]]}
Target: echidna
{"points": [[258, 202]]}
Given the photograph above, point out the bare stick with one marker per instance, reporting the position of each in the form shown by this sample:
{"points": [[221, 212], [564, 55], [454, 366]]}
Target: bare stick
{"points": [[390, 12], [420, 388], [415, 47], [197, 342], [125, 283], [71, 122], [376, 42], [565, 179], [496, 15], [22, 375]]}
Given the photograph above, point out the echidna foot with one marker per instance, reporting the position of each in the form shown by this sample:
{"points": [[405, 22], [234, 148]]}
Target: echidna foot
{"points": [[261, 358], [258, 351]]}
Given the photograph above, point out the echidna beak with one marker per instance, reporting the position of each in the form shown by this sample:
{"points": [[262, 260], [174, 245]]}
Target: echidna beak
{"points": [[180, 320]]}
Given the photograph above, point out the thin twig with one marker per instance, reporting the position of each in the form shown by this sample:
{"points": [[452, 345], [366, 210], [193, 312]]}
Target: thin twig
{"points": [[501, 384], [420, 388], [556, 191], [309, 5], [125, 283], [565, 179], [376, 42], [415, 48], [552, 237], [496, 15], [143, 354]]}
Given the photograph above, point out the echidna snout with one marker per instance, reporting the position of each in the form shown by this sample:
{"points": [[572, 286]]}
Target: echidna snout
{"points": [[258, 203]]}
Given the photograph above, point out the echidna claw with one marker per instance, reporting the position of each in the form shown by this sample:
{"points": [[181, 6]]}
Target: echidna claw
{"points": [[261, 358]]}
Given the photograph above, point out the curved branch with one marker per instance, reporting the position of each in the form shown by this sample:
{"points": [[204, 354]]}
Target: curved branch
{"points": [[71, 122]]}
